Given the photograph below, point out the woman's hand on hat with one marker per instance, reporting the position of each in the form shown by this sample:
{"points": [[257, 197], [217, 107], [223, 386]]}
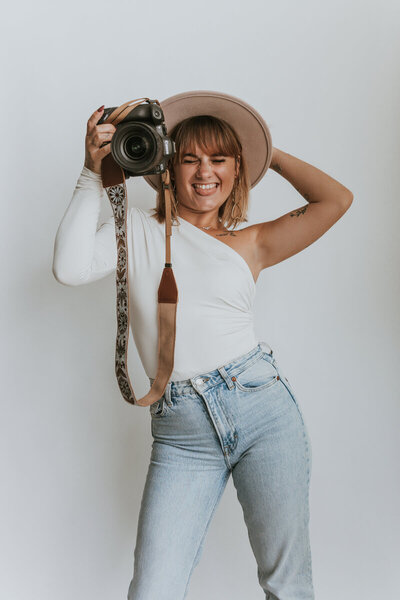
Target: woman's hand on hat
{"points": [[96, 135], [274, 164]]}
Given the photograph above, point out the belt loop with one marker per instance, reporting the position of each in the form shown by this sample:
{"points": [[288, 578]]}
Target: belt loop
{"points": [[267, 348], [226, 378]]}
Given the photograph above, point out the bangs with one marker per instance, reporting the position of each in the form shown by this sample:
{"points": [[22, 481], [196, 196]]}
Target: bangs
{"points": [[212, 135]]}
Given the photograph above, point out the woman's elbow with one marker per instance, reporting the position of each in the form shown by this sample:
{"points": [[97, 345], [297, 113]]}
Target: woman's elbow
{"points": [[64, 277]]}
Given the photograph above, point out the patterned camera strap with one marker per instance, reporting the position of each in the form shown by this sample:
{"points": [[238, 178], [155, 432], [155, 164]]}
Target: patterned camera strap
{"points": [[113, 181]]}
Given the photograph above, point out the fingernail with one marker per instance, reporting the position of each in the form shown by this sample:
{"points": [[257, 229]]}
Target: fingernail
{"points": [[101, 108]]}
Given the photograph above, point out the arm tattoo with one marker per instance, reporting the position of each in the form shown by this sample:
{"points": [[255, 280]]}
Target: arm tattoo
{"points": [[299, 211]]}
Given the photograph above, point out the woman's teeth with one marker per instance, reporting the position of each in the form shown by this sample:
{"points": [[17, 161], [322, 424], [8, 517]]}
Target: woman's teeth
{"points": [[208, 186], [205, 190]]}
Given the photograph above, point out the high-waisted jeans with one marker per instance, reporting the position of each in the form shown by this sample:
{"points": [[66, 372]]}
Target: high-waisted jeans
{"points": [[242, 419]]}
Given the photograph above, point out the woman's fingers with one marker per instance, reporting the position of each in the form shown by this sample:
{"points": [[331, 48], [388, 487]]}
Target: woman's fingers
{"points": [[96, 136], [102, 152], [94, 119], [103, 127]]}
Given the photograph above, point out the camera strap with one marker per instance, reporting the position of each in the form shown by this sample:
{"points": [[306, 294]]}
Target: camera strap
{"points": [[113, 181]]}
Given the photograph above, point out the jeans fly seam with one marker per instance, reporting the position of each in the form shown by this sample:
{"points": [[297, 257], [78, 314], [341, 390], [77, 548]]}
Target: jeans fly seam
{"points": [[231, 425]]}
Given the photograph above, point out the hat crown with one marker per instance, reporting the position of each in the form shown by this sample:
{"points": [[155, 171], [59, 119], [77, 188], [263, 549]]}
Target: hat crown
{"points": [[252, 131]]}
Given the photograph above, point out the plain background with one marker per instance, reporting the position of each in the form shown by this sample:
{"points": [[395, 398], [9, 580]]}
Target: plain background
{"points": [[325, 76]]}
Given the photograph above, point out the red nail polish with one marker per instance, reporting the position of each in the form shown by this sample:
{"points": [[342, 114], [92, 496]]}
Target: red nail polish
{"points": [[101, 108]]}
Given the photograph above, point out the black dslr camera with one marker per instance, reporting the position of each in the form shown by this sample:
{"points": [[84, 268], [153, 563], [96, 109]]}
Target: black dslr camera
{"points": [[140, 144]]}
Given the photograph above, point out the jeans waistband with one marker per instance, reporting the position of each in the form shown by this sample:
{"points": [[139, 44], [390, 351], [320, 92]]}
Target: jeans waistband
{"points": [[204, 381]]}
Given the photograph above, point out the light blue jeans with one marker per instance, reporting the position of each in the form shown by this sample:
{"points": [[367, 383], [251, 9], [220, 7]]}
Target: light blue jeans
{"points": [[241, 419]]}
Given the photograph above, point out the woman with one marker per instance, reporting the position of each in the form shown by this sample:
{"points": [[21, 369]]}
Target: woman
{"points": [[228, 407]]}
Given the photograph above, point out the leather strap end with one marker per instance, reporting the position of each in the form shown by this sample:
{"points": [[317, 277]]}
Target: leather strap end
{"points": [[168, 290]]}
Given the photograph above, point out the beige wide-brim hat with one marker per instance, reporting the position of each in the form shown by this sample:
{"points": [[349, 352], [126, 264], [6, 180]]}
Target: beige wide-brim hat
{"points": [[252, 130]]}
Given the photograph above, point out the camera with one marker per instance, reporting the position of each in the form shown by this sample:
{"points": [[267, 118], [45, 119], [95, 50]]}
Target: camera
{"points": [[140, 144]]}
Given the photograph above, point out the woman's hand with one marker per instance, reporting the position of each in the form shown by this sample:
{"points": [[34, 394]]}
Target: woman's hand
{"points": [[275, 161], [96, 135]]}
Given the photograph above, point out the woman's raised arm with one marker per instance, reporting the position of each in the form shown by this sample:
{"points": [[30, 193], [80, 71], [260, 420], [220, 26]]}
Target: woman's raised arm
{"points": [[82, 252]]}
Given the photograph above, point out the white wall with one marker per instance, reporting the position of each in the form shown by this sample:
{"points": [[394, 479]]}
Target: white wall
{"points": [[74, 455]]}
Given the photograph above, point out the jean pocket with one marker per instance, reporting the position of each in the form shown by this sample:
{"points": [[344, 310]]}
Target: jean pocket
{"points": [[257, 376]]}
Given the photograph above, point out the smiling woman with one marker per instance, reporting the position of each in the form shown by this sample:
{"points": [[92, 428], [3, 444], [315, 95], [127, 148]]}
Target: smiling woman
{"points": [[203, 184], [208, 151], [227, 408]]}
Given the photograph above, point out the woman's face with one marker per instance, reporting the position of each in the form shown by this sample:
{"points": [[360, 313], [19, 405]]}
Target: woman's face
{"points": [[215, 171]]}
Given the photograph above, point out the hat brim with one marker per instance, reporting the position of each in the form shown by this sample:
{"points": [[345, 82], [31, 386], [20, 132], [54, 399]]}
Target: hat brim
{"points": [[252, 130]]}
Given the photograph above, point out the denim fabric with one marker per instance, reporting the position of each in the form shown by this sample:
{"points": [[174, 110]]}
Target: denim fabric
{"points": [[241, 419]]}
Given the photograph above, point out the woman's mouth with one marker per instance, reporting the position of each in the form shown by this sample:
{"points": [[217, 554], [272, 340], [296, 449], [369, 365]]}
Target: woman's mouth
{"points": [[205, 190]]}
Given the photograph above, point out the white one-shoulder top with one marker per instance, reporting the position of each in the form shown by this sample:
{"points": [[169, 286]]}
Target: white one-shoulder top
{"points": [[216, 287]]}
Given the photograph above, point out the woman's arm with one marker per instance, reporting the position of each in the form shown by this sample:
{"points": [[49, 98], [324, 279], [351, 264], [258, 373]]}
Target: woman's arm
{"points": [[291, 233], [83, 253], [314, 185]]}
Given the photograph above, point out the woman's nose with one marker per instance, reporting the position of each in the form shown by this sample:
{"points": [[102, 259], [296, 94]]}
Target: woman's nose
{"points": [[204, 169]]}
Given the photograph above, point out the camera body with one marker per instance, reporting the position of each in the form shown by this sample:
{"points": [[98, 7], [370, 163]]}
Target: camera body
{"points": [[140, 144]]}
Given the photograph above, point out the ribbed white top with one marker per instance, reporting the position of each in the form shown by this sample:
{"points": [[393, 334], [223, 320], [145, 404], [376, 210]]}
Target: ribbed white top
{"points": [[216, 288]]}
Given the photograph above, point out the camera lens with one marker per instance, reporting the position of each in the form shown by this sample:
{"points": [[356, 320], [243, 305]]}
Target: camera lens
{"points": [[138, 143], [136, 147]]}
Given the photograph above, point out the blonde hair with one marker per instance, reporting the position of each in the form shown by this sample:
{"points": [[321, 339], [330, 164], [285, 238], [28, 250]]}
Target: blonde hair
{"points": [[209, 133]]}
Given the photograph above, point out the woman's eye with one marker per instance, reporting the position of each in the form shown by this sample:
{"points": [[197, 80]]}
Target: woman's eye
{"points": [[191, 162]]}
